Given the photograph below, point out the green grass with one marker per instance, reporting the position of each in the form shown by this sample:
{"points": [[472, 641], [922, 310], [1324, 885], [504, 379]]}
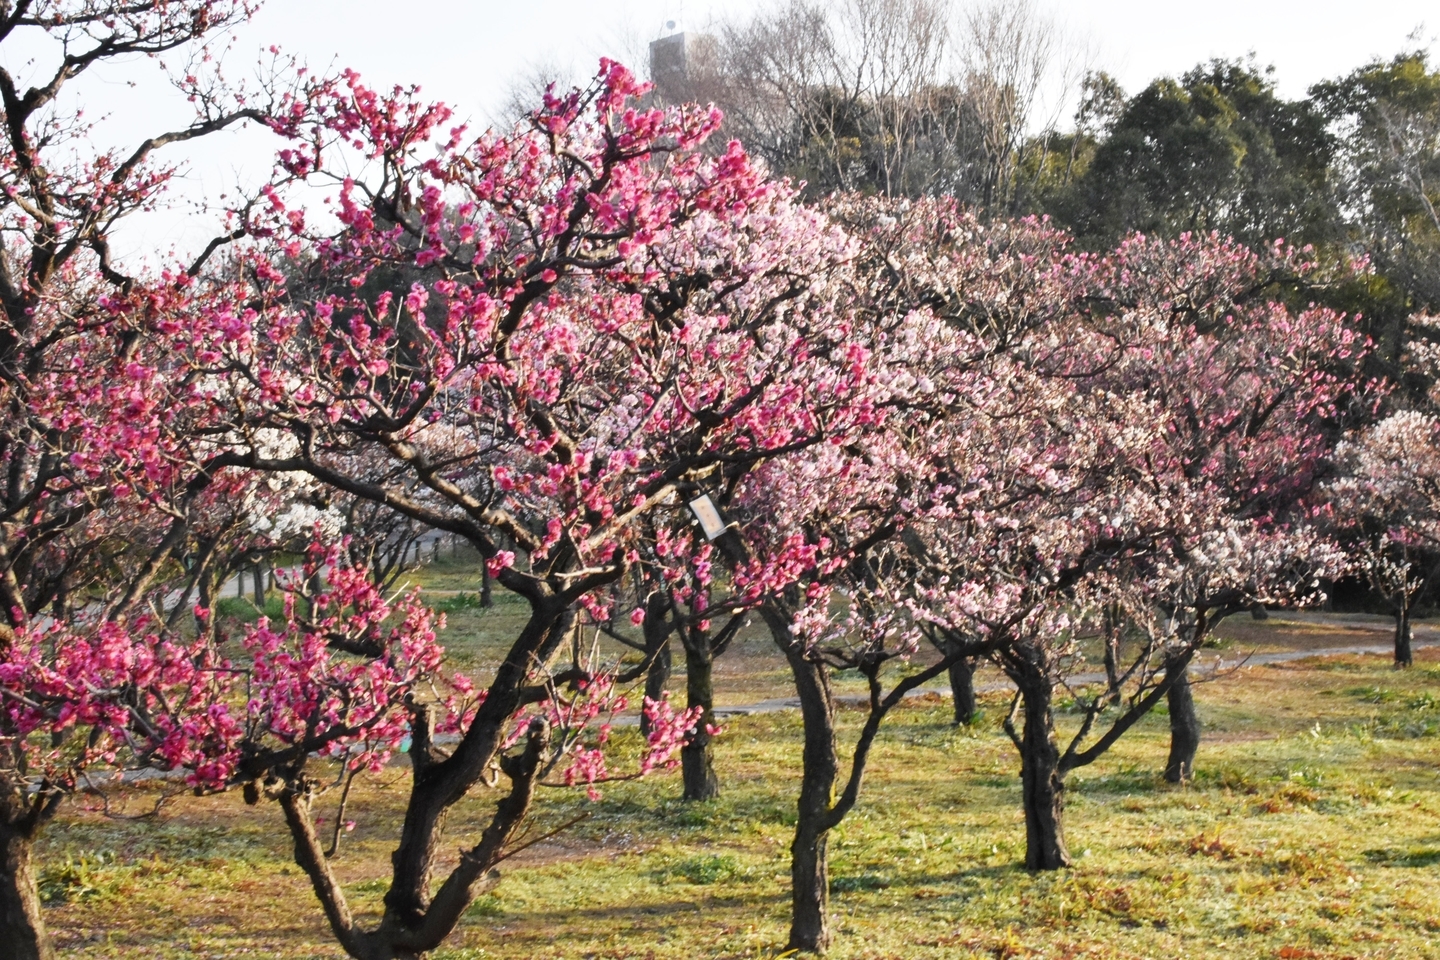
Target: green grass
{"points": [[1311, 831], [244, 609], [458, 570]]}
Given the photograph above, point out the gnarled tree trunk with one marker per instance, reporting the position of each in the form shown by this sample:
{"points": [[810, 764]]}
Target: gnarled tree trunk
{"points": [[697, 766], [962, 689], [395, 939], [22, 926], [1042, 782], [809, 866], [1404, 655], [1184, 724], [810, 888], [820, 808], [438, 784]]}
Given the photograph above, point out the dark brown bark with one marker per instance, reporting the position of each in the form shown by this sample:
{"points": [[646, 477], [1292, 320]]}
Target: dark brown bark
{"points": [[1404, 655], [393, 940], [1184, 724], [474, 874], [809, 866], [962, 689], [657, 681], [23, 814], [22, 926], [1042, 781], [820, 807], [258, 573], [810, 885], [308, 855], [438, 785], [697, 765]]}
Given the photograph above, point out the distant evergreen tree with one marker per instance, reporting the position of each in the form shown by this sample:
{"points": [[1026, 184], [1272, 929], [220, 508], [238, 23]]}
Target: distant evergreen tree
{"points": [[1216, 149], [1387, 117]]}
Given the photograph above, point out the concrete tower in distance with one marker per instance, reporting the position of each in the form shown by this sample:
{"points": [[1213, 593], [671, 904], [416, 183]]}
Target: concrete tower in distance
{"points": [[668, 68]]}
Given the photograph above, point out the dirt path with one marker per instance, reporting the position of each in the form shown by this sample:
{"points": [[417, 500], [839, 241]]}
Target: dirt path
{"points": [[1217, 664]]}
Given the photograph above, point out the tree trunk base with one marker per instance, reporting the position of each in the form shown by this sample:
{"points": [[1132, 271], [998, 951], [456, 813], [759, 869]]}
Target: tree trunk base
{"points": [[1043, 793], [810, 893], [962, 689], [697, 764], [1184, 728], [698, 770], [22, 926], [1404, 652]]}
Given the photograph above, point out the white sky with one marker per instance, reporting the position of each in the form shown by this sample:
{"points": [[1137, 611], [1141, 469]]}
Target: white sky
{"points": [[468, 51], [471, 52]]}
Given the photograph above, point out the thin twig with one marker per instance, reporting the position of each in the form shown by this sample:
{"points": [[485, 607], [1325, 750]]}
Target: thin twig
{"points": [[542, 838], [340, 814]]}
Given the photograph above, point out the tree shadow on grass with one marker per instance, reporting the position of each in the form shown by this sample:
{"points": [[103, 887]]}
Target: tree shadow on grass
{"points": [[1414, 856], [591, 915]]}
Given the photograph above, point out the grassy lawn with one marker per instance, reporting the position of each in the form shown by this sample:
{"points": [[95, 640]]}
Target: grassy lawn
{"points": [[1313, 831]]}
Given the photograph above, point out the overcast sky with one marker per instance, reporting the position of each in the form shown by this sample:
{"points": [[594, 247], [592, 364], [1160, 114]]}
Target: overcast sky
{"points": [[471, 52]]}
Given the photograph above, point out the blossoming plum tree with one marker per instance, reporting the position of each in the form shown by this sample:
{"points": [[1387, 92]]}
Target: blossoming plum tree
{"points": [[342, 678], [102, 440], [607, 320], [1163, 427], [1001, 561], [1250, 397], [811, 531], [1386, 501]]}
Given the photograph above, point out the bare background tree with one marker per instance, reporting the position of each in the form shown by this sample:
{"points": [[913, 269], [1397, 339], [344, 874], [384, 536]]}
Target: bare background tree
{"points": [[903, 98]]}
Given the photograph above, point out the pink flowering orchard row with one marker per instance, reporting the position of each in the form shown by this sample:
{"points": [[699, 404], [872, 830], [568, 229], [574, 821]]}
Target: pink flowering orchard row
{"points": [[1060, 434], [103, 425], [120, 455], [545, 342], [601, 322]]}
